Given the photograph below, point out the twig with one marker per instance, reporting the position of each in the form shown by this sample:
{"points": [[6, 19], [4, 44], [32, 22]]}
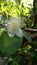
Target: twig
{"points": [[30, 30], [34, 35]]}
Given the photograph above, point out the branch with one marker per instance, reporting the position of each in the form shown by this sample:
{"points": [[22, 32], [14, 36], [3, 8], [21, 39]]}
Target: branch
{"points": [[30, 30], [34, 35]]}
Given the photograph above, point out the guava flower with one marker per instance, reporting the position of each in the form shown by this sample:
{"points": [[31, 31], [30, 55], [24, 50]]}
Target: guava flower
{"points": [[13, 26]]}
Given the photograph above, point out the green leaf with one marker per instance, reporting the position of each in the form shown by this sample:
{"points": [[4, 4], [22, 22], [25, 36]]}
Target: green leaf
{"points": [[32, 54], [9, 45], [27, 36]]}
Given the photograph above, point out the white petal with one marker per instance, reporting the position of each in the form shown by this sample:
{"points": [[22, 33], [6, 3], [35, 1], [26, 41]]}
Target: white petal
{"points": [[11, 34], [6, 23], [19, 33]]}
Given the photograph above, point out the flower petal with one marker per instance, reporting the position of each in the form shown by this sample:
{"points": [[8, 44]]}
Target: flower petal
{"points": [[10, 33], [19, 33]]}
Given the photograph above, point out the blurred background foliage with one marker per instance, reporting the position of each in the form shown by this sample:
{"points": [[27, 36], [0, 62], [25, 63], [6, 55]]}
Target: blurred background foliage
{"points": [[27, 10]]}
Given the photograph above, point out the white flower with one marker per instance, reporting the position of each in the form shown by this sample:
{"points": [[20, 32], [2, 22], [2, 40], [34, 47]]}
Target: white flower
{"points": [[13, 27]]}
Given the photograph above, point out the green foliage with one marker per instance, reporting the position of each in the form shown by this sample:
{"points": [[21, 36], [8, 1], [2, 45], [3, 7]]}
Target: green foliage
{"points": [[8, 45], [27, 36]]}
